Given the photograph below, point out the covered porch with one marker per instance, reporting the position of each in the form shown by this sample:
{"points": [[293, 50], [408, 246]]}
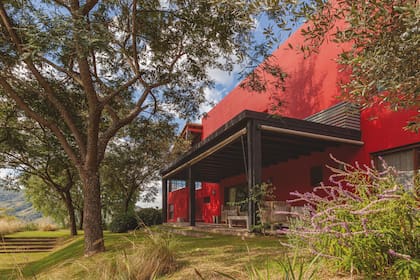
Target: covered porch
{"points": [[245, 145]]}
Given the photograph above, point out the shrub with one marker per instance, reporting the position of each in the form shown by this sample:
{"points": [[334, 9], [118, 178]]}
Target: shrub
{"points": [[31, 226], [123, 222], [46, 226], [366, 222], [150, 216]]}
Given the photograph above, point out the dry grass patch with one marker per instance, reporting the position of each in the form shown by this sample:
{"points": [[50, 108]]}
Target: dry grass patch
{"points": [[228, 255], [149, 259], [10, 225]]}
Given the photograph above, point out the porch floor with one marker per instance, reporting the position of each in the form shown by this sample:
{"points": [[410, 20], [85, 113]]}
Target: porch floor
{"points": [[200, 229]]}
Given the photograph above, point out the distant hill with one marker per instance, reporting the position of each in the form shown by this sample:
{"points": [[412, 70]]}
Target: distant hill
{"points": [[15, 205]]}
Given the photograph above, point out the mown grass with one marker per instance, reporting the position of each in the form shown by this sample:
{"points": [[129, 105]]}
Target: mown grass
{"points": [[208, 256]]}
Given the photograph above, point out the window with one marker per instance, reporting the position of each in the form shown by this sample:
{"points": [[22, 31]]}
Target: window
{"points": [[198, 185], [171, 211], [316, 176], [176, 185], [406, 161]]}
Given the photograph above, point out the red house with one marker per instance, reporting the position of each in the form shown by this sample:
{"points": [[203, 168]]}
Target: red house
{"points": [[245, 141]]}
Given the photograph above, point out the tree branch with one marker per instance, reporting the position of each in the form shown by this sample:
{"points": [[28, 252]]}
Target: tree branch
{"points": [[134, 39], [129, 83], [75, 76], [62, 4], [112, 113], [88, 6], [42, 121], [49, 91], [111, 131]]}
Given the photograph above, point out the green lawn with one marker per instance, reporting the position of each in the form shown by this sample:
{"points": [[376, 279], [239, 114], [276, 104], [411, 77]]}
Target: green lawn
{"points": [[206, 255]]}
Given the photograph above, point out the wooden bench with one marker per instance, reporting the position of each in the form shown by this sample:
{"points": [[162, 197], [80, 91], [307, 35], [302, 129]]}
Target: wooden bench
{"points": [[237, 218]]}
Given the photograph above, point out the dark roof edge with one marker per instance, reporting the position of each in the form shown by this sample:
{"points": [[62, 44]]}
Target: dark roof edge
{"points": [[240, 120]]}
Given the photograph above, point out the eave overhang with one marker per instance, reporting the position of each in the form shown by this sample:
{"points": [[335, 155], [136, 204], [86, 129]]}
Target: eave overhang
{"points": [[223, 154]]}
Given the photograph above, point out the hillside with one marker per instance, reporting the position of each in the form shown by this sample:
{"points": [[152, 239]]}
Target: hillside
{"points": [[16, 205]]}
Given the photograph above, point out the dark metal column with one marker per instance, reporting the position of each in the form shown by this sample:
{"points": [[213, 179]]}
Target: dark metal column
{"points": [[191, 185], [164, 200], [254, 159]]}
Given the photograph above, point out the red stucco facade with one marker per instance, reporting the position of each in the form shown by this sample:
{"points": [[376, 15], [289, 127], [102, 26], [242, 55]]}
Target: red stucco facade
{"points": [[311, 87]]}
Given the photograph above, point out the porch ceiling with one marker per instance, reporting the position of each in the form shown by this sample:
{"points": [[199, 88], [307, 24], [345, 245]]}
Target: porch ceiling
{"points": [[223, 154]]}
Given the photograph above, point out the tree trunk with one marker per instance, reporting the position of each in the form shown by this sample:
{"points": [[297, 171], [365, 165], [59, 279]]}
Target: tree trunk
{"points": [[70, 210], [94, 239], [81, 219], [126, 205]]}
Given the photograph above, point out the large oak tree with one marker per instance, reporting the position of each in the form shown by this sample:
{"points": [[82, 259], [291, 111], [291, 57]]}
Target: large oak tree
{"points": [[97, 65]]}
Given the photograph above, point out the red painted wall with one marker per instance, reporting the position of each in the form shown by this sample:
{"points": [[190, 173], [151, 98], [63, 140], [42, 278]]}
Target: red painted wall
{"points": [[204, 211], [311, 87], [295, 174]]}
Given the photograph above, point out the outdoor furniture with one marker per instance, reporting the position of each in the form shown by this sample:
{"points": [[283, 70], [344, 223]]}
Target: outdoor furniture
{"points": [[228, 211], [275, 213], [237, 218], [232, 214]]}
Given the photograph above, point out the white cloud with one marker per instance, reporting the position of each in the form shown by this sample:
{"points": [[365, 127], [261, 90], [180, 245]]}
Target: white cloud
{"points": [[221, 78], [213, 96]]}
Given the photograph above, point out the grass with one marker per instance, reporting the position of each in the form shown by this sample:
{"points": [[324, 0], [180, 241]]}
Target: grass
{"points": [[204, 256]]}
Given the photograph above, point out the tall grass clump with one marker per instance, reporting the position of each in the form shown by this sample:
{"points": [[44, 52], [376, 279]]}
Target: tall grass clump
{"points": [[154, 257], [365, 222], [10, 225]]}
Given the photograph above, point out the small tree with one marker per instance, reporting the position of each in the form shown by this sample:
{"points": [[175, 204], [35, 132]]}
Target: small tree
{"points": [[40, 165], [365, 222], [133, 162]]}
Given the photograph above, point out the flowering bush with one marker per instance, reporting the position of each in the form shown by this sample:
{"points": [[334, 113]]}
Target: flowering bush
{"points": [[366, 222]]}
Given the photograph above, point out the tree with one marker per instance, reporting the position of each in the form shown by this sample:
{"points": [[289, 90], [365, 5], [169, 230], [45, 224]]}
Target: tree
{"points": [[53, 203], [132, 164], [40, 165], [85, 69], [383, 47]]}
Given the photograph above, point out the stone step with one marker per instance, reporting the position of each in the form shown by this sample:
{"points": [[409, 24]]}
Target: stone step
{"points": [[27, 244]]}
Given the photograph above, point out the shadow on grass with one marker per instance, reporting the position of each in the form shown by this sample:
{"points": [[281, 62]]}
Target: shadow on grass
{"points": [[73, 250]]}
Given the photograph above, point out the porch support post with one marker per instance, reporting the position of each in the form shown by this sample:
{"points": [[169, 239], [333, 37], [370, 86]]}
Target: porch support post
{"points": [[254, 163], [191, 185], [164, 200]]}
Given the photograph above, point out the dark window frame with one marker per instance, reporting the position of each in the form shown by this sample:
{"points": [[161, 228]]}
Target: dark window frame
{"points": [[171, 211], [316, 175]]}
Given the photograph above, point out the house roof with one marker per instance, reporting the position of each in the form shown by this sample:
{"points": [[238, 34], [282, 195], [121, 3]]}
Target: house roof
{"points": [[223, 154]]}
